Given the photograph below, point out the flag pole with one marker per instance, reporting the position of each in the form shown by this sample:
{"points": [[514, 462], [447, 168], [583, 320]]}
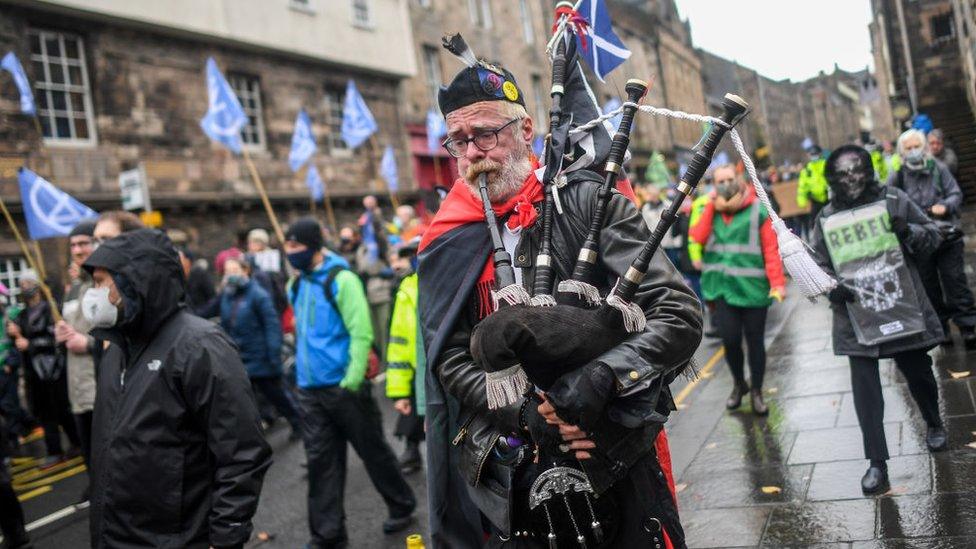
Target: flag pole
{"points": [[264, 196], [55, 313], [40, 259], [327, 198]]}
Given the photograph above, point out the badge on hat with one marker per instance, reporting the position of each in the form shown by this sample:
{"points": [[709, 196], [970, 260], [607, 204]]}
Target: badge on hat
{"points": [[511, 92]]}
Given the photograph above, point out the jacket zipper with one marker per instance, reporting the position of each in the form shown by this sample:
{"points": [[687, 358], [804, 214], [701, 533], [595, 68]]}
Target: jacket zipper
{"points": [[484, 457], [462, 432]]}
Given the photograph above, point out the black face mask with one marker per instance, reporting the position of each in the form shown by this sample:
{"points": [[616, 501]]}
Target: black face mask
{"points": [[30, 292], [851, 176]]}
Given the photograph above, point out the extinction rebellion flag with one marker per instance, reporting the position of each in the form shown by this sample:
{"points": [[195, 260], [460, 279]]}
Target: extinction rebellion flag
{"points": [[868, 259]]}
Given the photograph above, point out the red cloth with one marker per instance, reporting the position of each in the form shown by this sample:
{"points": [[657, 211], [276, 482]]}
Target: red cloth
{"points": [[702, 230]]}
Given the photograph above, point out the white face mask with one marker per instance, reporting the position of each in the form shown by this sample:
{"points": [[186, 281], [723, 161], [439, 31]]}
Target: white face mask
{"points": [[97, 308]]}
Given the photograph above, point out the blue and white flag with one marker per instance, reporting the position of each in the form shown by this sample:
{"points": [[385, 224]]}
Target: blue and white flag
{"points": [[11, 64], [388, 169], [314, 183], [611, 105], [357, 122], [436, 129], [604, 50], [225, 117], [538, 145], [302, 142], [720, 159], [369, 237], [49, 211]]}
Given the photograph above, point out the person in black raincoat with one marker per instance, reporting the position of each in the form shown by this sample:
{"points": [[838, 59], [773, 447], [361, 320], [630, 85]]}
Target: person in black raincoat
{"points": [[177, 452], [852, 181]]}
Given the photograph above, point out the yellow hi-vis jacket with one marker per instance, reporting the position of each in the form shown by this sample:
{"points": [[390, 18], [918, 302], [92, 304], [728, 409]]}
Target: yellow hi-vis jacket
{"points": [[813, 183], [401, 351]]}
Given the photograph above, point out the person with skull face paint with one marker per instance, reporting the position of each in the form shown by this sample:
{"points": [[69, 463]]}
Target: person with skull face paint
{"points": [[853, 185], [931, 186], [742, 275], [178, 458]]}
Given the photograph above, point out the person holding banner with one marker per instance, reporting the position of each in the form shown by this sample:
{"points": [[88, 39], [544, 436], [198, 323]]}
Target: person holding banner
{"points": [[871, 239], [742, 275]]}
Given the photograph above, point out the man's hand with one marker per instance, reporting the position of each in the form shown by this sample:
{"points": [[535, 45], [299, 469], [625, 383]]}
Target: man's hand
{"points": [[74, 271], [582, 395], [402, 405], [576, 437], [778, 293], [13, 330], [63, 331], [22, 344], [77, 343], [939, 210], [698, 264], [841, 294]]}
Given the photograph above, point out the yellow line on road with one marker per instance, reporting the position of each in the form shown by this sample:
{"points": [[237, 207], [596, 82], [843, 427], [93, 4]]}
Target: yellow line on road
{"points": [[51, 479], [34, 493], [701, 375], [38, 473], [22, 466]]}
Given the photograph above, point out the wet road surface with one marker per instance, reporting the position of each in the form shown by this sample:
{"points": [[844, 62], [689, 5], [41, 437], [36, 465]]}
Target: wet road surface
{"points": [[791, 479]]}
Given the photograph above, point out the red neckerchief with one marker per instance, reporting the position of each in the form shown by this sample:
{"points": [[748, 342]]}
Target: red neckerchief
{"points": [[461, 207]]}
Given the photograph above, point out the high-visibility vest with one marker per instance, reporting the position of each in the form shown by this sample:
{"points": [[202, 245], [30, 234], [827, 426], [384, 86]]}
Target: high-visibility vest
{"points": [[812, 184], [401, 352], [734, 268]]}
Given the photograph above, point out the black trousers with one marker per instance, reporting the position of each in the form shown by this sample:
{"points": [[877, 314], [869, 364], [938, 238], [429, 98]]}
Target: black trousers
{"points": [[916, 366], [732, 322], [274, 392], [11, 514], [51, 406], [83, 422], [16, 420], [944, 277], [332, 418]]}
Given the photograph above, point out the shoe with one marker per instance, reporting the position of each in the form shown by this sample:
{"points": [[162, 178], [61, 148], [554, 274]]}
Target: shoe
{"points": [[937, 439], [84, 496], [393, 525], [735, 399], [875, 481], [50, 461], [410, 460], [758, 404], [969, 339]]}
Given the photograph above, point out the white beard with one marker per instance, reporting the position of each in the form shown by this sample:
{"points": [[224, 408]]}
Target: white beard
{"points": [[504, 180]]}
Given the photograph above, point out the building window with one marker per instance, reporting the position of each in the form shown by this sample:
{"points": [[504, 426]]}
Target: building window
{"points": [[541, 120], [10, 270], [480, 11], [248, 90], [301, 5], [361, 15], [942, 29], [425, 3], [334, 98], [61, 87], [527, 31], [432, 70]]}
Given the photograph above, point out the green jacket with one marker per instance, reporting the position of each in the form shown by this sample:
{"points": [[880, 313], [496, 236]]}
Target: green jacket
{"points": [[401, 352], [734, 268], [697, 207], [813, 184], [880, 166]]}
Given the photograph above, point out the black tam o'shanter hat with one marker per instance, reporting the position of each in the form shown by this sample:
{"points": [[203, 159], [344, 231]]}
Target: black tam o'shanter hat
{"points": [[478, 81]]}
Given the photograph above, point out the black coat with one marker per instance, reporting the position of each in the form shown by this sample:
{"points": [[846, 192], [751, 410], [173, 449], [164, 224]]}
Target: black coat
{"points": [[923, 240], [177, 452], [456, 398]]}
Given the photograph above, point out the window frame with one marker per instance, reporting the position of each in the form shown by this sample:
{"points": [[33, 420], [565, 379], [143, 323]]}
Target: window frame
{"points": [[538, 90], [233, 79], [43, 85], [354, 8], [334, 99], [480, 13], [433, 75], [528, 31], [11, 267]]}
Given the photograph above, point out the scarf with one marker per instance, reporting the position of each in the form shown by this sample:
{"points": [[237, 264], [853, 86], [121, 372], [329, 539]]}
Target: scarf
{"points": [[460, 207]]}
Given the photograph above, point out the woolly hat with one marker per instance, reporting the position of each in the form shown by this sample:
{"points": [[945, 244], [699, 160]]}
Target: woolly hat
{"points": [[306, 231], [478, 81]]}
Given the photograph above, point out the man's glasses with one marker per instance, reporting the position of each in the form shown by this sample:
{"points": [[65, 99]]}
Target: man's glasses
{"points": [[485, 140]]}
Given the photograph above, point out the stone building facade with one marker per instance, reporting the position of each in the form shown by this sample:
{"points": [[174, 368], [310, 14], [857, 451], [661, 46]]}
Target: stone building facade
{"points": [[117, 87]]}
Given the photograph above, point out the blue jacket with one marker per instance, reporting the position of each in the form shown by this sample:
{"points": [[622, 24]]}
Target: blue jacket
{"points": [[331, 346], [249, 318]]}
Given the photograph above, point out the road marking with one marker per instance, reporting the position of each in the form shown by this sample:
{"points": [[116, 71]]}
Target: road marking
{"points": [[34, 493], [51, 479], [712, 361], [38, 473], [53, 517], [30, 463]]}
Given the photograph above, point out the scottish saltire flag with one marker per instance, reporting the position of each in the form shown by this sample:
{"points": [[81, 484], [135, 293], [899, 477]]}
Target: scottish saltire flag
{"points": [[388, 169], [225, 117], [302, 142], [49, 211], [12, 65], [357, 122], [369, 237], [604, 50], [611, 105], [314, 183], [436, 129], [720, 159]]}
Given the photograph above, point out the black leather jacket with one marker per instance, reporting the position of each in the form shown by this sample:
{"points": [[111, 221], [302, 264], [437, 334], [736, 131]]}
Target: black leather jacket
{"points": [[658, 354]]}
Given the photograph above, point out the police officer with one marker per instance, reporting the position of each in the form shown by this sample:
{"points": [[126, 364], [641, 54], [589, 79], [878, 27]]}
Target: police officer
{"points": [[931, 186], [812, 188]]}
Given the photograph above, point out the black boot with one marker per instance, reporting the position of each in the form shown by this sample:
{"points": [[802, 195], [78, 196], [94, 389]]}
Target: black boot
{"points": [[969, 338], [875, 479], [735, 399], [758, 404], [947, 336], [410, 460], [937, 439]]}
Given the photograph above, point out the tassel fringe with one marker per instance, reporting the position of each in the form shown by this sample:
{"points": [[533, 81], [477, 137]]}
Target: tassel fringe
{"points": [[634, 319], [586, 292], [505, 387], [811, 279], [513, 294], [543, 300]]}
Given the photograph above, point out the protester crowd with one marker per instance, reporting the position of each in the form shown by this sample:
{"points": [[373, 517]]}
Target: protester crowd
{"points": [[314, 320]]}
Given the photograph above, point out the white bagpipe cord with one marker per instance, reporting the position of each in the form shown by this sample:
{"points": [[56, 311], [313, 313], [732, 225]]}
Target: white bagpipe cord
{"points": [[811, 279]]}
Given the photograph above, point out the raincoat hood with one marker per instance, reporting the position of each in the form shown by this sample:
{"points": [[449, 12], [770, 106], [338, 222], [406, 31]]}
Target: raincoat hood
{"points": [[147, 271]]}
